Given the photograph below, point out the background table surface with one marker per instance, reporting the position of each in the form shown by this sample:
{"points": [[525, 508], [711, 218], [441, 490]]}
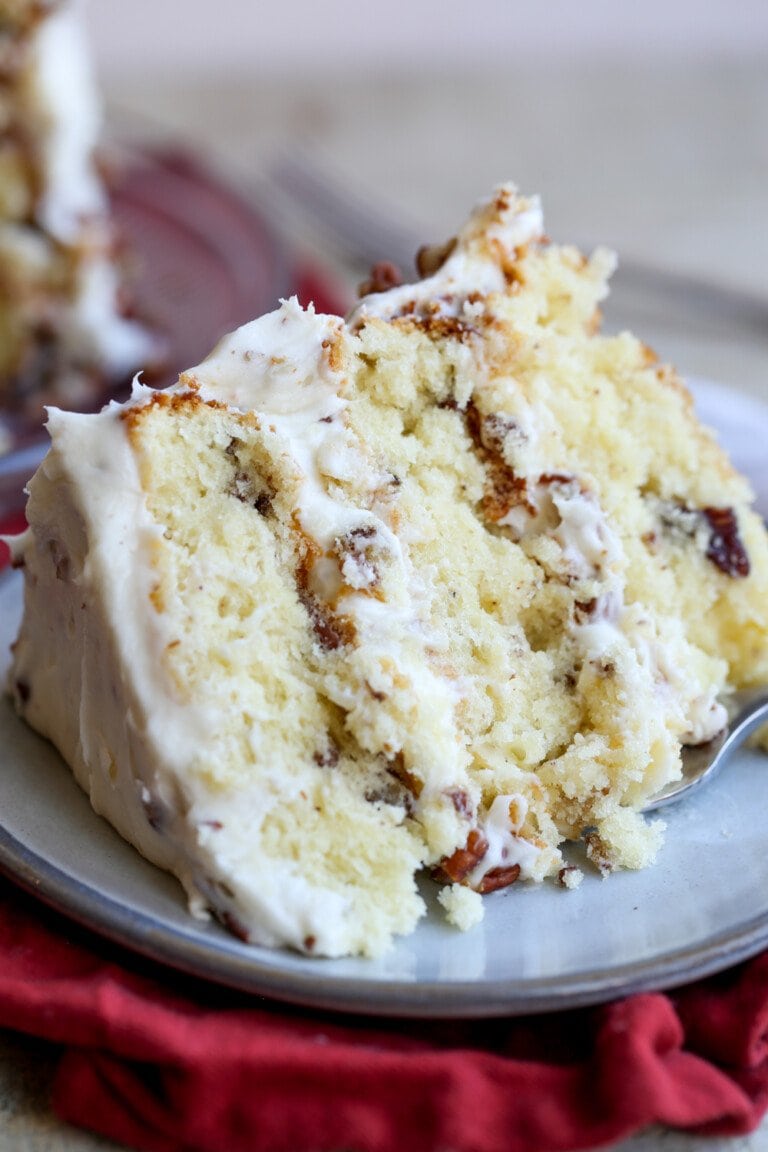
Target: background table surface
{"points": [[665, 162]]}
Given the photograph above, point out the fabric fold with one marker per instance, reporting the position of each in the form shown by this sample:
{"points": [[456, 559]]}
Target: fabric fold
{"points": [[159, 1061]]}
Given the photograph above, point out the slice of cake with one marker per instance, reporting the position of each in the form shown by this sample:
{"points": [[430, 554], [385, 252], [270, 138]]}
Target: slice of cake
{"points": [[441, 586], [62, 333]]}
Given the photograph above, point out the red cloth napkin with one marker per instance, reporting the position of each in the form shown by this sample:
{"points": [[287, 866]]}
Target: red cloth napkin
{"points": [[165, 1063], [161, 1062]]}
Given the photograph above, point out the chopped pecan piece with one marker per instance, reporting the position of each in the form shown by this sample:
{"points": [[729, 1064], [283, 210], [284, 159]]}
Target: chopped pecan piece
{"points": [[456, 867], [474, 422], [496, 427], [584, 610], [233, 925], [723, 545], [245, 485], [725, 548], [431, 257], [392, 792], [461, 801], [563, 480], [360, 554], [245, 489], [599, 853], [503, 490], [327, 757], [409, 779], [384, 275], [497, 878], [332, 630]]}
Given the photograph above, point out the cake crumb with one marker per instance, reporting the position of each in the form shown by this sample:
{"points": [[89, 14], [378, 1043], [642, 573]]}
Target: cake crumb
{"points": [[463, 906], [570, 877]]}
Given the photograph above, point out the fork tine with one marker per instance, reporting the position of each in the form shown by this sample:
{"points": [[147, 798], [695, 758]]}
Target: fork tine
{"points": [[748, 710]]}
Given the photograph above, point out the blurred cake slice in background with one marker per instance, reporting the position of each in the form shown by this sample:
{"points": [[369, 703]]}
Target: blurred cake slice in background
{"points": [[64, 332]]}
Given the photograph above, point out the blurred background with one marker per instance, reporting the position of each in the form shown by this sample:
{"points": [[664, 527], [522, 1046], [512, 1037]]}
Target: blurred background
{"points": [[642, 126], [423, 33]]}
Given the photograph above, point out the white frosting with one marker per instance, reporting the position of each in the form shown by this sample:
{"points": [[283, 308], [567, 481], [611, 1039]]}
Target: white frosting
{"points": [[707, 716], [279, 366], [496, 229], [506, 848], [568, 511], [589, 543], [701, 716], [571, 514]]}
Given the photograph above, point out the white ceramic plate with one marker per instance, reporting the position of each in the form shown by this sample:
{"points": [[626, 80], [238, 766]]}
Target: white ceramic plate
{"points": [[703, 907]]}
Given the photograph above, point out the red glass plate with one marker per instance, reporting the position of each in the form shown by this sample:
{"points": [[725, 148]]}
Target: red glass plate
{"points": [[202, 260]]}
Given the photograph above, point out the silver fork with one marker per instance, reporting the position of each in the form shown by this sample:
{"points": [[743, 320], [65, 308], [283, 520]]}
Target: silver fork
{"points": [[748, 709]]}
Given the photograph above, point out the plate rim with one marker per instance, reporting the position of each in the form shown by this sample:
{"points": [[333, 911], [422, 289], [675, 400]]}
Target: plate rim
{"points": [[231, 965]]}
